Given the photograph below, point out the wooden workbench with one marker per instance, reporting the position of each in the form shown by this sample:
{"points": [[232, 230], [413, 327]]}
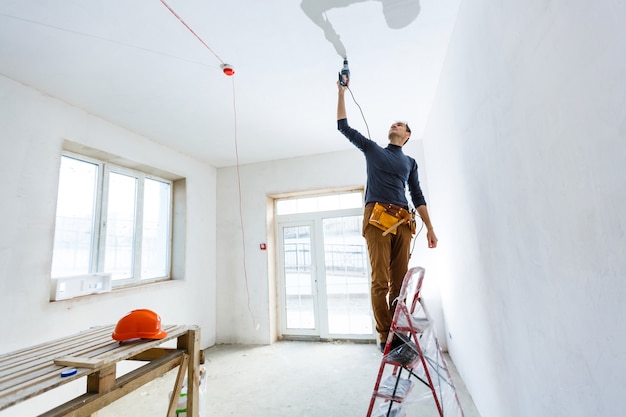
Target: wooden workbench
{"points": [[93, 353]]}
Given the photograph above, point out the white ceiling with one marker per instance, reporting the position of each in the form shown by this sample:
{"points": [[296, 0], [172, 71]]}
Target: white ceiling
{"points": [[135, 64]]}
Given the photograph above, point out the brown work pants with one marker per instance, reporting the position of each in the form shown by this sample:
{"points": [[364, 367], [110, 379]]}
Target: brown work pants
{"points": [[389, 260]]}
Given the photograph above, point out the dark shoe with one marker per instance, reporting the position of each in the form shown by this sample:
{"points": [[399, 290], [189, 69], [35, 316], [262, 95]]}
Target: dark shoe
{"points": [[395, 343], [404, 354]]}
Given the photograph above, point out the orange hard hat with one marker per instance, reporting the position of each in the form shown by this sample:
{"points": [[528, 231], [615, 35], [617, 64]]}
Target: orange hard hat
{"points": [[139, 324]]}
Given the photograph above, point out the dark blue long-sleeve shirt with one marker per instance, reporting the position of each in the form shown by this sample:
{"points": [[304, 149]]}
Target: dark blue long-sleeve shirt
{"points": [[389, 170]]}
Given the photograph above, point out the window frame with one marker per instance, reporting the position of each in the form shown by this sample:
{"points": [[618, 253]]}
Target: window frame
{"points": [[98, 240]]}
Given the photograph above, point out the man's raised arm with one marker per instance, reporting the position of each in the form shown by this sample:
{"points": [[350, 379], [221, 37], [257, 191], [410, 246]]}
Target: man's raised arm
{"points": [[341, 103]]}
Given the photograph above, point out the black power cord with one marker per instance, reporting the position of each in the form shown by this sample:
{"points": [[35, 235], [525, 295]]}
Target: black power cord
{"points": [[361, 110]]}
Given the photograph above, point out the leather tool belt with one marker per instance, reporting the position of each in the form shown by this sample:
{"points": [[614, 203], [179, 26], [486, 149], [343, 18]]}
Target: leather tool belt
{"points": [[388, 217]]}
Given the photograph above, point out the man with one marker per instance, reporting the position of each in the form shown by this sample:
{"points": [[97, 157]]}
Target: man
{"points": [[389, 171]]}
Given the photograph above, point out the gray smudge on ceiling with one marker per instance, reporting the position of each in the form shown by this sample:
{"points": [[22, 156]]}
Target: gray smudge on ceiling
{"points": [[397, 13]]}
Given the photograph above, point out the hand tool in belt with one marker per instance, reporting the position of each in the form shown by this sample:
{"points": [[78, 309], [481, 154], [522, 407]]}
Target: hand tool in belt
{"points": [[394, 227]]}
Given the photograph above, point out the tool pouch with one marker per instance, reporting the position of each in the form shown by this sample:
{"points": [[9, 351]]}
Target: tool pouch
{"points": [[387, 217]]}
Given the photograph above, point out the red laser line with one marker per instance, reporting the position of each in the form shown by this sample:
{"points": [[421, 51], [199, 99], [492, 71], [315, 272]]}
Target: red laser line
{"points": [[243, 237], [191, 30]]}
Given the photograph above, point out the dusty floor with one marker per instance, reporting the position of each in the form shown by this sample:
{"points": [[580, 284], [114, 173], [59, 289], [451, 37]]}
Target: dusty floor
{"points": [[283, 379]]}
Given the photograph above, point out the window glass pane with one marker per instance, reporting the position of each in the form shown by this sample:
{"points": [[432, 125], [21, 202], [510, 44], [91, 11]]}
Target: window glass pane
{"points": [[328, 202], [308, 204], [350, 200], [286, 206], [300, 310], [347, 278], [156, 227], [120, 226], [319, 203], [76, 202]]}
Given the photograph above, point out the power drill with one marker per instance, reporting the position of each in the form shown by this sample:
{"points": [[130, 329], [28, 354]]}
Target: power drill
{"points": [[344, 75]]}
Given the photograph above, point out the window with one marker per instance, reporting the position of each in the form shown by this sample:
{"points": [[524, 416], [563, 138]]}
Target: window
{"points": [[316, 203], [112, 219]]}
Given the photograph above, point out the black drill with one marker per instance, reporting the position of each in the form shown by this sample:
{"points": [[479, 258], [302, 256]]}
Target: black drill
{"points": [[344, 75]]}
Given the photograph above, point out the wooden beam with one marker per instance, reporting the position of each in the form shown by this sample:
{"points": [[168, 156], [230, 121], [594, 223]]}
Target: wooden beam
{"points": [[101, 380], [89, 403], [152, 354], [190, 342]]}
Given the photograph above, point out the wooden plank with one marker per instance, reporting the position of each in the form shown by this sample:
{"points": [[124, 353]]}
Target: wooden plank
{"points": [[87, 344], [12, 363], [90, 403], [79, 362], [38, 384], [41, 360], [101, 347], [173, 331], [44, 375], [126, 350], [68, 340]]}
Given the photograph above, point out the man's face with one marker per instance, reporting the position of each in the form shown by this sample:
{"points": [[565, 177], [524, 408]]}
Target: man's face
{"points": [[398, 132]]}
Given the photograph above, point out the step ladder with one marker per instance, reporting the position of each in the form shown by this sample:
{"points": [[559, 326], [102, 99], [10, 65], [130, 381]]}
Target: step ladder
{"points": [[413, 370]]}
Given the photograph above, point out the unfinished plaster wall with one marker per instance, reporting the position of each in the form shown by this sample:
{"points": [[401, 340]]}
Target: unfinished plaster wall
{"points": [[526, 150], [237, 321], [32, 129]]}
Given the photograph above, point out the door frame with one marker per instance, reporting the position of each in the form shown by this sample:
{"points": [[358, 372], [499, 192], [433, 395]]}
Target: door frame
{"points": [[318, 272]]}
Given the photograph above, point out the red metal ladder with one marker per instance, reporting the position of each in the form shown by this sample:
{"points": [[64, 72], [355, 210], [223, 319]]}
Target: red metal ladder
{"points": [[415, 357]]}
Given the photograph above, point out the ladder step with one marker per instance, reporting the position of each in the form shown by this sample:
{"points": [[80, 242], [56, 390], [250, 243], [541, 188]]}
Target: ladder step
{"points": [[388, 386]]}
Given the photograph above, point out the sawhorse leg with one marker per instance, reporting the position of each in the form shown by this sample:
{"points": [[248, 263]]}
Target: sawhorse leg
{"points": [[191, 343]]}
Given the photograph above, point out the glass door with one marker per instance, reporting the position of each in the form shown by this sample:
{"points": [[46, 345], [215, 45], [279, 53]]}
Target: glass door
{"points": [[346, 278], [298, 283], [325, 277]]}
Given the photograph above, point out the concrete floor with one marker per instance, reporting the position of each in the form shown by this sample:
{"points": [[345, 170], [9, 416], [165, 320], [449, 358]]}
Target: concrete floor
{"points": [[283, 379]]}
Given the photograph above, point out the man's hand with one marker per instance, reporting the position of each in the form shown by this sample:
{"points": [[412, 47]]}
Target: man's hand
{"points": [[422, 211], [432, 238], [343, 79]]}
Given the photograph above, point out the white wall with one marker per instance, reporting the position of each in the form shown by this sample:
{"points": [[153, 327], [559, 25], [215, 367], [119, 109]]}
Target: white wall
{"points": [[526, 152], [32, 129], [237, 322]]}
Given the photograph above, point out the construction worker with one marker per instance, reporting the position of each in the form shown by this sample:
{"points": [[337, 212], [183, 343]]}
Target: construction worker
{"points": [[389, 171]]}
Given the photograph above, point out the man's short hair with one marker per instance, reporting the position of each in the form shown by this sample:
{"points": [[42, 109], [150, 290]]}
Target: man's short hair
{"points": [[406, 125], [408, 129]]}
